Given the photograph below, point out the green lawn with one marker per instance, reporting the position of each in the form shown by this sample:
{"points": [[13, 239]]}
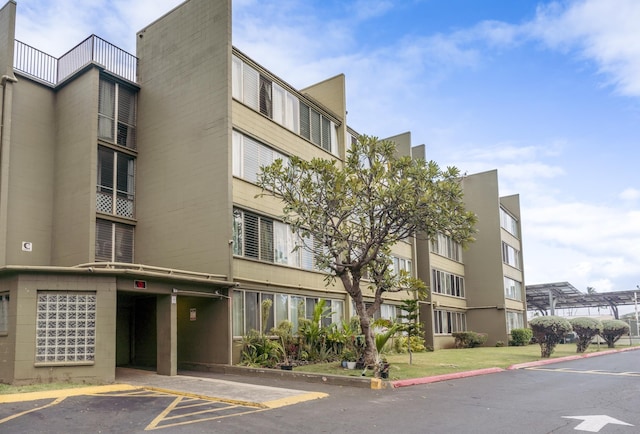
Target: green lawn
{"points": [[455, 360]]}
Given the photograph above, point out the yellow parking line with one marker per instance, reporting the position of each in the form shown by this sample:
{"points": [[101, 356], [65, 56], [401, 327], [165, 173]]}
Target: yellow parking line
{"points": [[276, 403], [13, 416], [77, 391]]}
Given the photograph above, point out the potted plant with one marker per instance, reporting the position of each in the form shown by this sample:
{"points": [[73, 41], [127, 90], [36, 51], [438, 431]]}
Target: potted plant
{"points": [[350, 357]]}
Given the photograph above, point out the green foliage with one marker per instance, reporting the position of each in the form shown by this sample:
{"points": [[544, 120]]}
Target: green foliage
{"points": [[260, 350], [358, 210], [402, 344], [411, 326], [549, 331], [586, 329], [520, 337], [612, 330], [499, 344], [469, 339]]}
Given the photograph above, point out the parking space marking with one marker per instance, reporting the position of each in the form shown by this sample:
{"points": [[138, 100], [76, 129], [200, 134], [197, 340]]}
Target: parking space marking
{"points": [[174, 415], [51, 404], [592, 372]]}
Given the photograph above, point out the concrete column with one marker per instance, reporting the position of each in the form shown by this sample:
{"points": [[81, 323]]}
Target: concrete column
{"points": [[167, 326]]}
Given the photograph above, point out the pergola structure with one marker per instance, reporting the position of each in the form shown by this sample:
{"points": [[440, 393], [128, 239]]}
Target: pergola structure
{"points": [[547, 297]]}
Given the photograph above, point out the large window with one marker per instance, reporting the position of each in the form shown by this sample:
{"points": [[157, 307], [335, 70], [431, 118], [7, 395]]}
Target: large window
{"points": [[515, 320], [272, 100], [249, 155], [247, 310], [447, 283], [510, 255], [508, 222], [114, 242], [117, 114], [268, 240], [512, 289], [447, 322], [262, 94], [316, 127], [66, 327], [444, 245], [116, 183], [401, 264], [4, 313]]}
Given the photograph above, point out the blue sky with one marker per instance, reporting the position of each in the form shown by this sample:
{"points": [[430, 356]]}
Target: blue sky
{"points": [[547, 92]]}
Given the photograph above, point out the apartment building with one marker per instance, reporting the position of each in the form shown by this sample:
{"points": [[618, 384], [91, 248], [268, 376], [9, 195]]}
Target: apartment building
{"points": [[130, 231]]}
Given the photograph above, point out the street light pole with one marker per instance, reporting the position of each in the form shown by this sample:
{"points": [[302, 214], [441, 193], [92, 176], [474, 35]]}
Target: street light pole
{"points": [[635, 301]]}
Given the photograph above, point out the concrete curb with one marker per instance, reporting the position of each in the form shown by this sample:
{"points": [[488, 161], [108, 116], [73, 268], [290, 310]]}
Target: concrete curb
{"points": [[443, 377], [569, 358]]}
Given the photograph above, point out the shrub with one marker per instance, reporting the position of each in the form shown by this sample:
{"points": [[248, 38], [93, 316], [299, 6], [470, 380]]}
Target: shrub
{"points": [[548, 331], [612, 330], [469, 339], [401, 344], [500, 344], [586, 329], [520, 337], [260, 350]]}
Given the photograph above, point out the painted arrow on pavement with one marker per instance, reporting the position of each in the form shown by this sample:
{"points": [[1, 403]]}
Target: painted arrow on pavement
{"points": [[596, 422]]}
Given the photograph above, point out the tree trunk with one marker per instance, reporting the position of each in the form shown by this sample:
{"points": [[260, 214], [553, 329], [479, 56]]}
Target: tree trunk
{"points": [[353, 289]]}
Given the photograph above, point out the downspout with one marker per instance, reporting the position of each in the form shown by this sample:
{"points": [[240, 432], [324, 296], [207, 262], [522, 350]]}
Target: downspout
{"points": [[4, 104], [5, 134]]}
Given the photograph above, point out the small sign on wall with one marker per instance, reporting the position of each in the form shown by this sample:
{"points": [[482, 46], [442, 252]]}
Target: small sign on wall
{"points": [[192, 314], [27, 246]]}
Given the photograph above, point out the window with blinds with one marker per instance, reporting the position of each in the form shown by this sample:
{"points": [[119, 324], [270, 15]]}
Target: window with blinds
{"points": [[117, 114], [272, 100], [247, 310], [249, 156], [510, 255], [114, 242], [116, 183], [317, 128], [445, 246], [447, 283], [447, 322], [268, 240]]}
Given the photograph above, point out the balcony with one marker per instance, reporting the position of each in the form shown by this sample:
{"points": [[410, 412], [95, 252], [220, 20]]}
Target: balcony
{"points": [[53, 71]]}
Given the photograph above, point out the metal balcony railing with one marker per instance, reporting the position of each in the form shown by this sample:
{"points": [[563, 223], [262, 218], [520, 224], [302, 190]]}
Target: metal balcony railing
{"points": [[53, 71]]}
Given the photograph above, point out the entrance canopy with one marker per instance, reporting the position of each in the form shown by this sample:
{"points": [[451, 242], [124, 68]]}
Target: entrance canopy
{"points": [[547, 297]]}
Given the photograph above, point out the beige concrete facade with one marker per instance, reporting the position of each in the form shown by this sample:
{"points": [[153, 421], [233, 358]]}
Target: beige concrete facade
{"points": [[182, 181]]}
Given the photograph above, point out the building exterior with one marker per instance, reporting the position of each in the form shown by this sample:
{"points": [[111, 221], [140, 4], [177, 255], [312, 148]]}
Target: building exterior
{"points": [[130, 232]]}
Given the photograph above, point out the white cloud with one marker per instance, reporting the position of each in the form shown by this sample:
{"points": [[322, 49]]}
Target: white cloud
{"points": [[630, 194], [602, 31]]}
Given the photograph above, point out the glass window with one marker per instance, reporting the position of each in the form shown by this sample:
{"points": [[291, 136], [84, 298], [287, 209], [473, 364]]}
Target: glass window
{"points": [[114, 242], [65, 327], [508, 222], [270, 321], [512, 289], [515, 320], [282, 308], [117, 121], [115, 189], [238, 313], [4, 312], [252, 311], [510, 255]]}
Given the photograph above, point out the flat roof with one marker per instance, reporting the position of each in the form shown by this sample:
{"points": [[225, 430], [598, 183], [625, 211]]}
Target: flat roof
{"points": [[566, 296]]}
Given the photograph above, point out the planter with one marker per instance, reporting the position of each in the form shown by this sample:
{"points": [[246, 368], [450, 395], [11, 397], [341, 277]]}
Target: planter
{"points": [[351, 365], [384, 375], [344, 364], [286, 367]]}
